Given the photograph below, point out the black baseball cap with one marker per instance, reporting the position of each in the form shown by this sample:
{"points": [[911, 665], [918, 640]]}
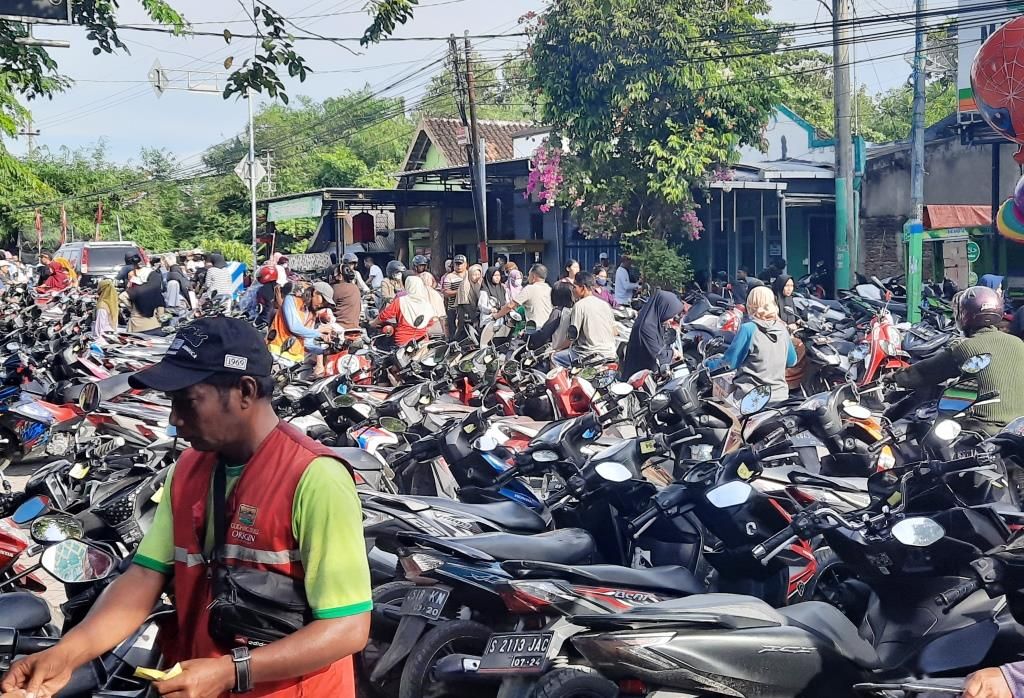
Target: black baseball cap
{"points": [[205, 347]]}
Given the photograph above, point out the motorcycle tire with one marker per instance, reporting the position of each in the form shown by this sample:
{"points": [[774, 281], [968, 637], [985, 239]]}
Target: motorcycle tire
{"points": [[574, 683], [451, 637], [836, 585], [382, 630]]}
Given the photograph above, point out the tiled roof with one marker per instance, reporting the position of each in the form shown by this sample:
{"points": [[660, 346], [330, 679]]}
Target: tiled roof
{"points": [[443, 134]]}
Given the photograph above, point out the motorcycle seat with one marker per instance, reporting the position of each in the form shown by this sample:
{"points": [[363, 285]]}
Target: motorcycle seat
{"points": [[829, 624], [510, 515], [357, 458], [23, 611], [567, 546], [673, 578]]}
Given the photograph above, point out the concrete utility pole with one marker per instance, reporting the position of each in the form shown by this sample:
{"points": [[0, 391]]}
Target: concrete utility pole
{"points": [[30, 133], [474, 137], [252, 178], [914, 228], [846, 231]]}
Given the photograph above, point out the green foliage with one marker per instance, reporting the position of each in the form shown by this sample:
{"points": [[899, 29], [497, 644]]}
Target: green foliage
{"points": [[387, 15], [233, 250], [502, 91], [652, 96], [660, 263]]}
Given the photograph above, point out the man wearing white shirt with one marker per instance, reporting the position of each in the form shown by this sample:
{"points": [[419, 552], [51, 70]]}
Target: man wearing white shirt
{"points": [[624, 287], [374, 276]]}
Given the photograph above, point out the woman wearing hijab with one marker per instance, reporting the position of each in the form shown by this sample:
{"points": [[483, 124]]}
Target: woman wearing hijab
{"points": [[58, 280], [175, 285], [412, 313], [647, 348], [762, 350], [492, 294], [514, 285], [106, 317], [556, 329], [783, 287], [467, 300], [146, 299]]}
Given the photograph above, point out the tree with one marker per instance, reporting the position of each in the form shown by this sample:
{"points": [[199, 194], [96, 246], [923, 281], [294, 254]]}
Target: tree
{"points": [[502, 91], [652, 97]]}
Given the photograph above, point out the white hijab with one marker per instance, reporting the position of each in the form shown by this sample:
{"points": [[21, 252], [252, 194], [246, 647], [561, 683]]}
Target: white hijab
{"points": [[416, 303]]}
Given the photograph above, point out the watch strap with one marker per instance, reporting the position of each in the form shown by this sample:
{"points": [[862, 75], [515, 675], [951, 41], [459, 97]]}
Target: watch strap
{"points": [[243, 669]]}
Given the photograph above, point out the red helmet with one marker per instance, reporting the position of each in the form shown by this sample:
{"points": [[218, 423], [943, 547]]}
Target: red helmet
{"points": [[977, 307], [266, 274]]}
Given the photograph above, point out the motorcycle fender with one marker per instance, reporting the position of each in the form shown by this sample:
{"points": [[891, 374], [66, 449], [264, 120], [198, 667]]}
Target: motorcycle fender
{"points": [[410, 629]]}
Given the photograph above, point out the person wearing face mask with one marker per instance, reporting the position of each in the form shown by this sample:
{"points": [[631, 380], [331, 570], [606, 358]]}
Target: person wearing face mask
{"points": [[394, 283], [601, 290]]}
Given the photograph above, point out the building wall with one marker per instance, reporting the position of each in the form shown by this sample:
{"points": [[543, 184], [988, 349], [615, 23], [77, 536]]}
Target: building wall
{"points": [[789, 138], [954, 174]]}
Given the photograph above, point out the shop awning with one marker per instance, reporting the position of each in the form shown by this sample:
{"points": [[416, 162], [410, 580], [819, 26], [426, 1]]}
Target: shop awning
{"points": [[939, 216]]}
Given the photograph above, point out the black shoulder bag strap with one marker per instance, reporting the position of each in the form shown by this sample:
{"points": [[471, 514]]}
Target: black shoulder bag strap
{"points": [[220, 486]]}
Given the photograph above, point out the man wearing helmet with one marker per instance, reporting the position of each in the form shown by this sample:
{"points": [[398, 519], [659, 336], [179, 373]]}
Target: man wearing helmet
{"points": [[421, 265], [978, 311], [351, 261]]}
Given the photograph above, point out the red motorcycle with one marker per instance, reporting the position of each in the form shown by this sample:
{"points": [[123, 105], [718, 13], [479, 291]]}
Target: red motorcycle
{"points": [[880, 353]]}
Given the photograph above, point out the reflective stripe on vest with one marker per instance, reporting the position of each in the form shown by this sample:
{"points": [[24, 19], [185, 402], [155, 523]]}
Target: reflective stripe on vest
{"points": [[237, 552], [189, 559], [262, 557]]}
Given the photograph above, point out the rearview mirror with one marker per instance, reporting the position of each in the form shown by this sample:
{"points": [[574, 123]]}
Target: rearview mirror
{"points": [[89, 398], [394, 425], [573, 333], [620, 390], [72, 561], [855, 410], [755, 400], [485, 444], [531, 327], [976, 364], [54, 528], [288, 344], [30, 509]]}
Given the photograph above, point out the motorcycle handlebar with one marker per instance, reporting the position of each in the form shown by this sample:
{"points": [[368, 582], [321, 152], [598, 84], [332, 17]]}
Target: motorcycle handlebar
{"points": [[29, 644], [958, 464], [706, 420], [774, 545], [951, 597]]}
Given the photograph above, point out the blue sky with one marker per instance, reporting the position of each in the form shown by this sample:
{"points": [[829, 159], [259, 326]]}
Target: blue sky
{"points": [[113, 101]]}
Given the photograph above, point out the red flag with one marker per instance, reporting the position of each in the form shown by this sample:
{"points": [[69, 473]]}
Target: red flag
{"points": [[39, 228], [63, 224], [99, 219]]}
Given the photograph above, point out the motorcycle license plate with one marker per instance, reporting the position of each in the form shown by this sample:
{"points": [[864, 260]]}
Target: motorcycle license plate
{"points": [[520, 653], [426, 602]]}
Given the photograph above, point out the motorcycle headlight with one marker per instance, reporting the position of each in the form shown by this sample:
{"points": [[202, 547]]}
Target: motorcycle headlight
{"points": [[660, 402], [947, 430], [858, 353]]}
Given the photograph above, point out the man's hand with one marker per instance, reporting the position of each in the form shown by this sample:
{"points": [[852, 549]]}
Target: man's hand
{"points": [[41, 674], [200, 678], [987, 683]]}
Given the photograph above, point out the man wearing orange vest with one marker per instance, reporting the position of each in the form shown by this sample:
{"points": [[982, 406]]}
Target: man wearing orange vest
{"points": [[290, 519]]}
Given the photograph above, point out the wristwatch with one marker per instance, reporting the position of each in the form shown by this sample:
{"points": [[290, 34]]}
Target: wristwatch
{"points": [[243, 669]]}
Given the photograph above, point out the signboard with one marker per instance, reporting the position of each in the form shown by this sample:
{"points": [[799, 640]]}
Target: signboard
{"points": [[973, 252], [42, 11], [242, 170], [311, 261], [306, 207], [976, 21]]}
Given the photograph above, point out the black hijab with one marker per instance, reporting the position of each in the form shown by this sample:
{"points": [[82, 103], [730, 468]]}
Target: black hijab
{"points": [[787, 309], [176, 274], [646, 347], [217, 260], [148, 296], [495, 291]]}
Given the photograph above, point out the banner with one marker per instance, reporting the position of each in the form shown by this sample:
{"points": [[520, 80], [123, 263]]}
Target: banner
{"points": [[306, 207]]}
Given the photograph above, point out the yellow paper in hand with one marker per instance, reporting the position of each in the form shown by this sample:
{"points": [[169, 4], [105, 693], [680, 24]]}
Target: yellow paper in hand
{"points": [[156, 674]]}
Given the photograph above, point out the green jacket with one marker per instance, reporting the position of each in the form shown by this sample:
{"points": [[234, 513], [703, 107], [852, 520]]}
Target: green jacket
{"points": [[1004, 374]]}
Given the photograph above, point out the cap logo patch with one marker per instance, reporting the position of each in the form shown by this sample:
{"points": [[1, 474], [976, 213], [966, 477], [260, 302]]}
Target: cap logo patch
{"points": [[236, 362]]}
